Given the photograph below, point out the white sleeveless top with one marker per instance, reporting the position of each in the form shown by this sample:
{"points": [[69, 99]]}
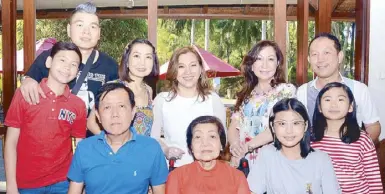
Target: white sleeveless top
{"points": [[174, 117]]}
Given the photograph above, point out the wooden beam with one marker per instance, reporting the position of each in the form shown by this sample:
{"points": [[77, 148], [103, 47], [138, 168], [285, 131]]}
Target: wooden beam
{"points": [[8, 13], [313, 3], [280, 27], [152, 19], [323, 16], [336, 3], [234, 12], [361, 51], [302, 41], [29, 33]]}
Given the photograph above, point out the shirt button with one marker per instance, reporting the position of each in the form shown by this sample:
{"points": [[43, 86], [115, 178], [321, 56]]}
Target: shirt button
{"points": [[50, 93], [53, 109], [110, 153], [53, 101]]}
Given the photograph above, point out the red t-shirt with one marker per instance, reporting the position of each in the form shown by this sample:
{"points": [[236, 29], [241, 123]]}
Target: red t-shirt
{"points": [[193, 179], [44, 149]]}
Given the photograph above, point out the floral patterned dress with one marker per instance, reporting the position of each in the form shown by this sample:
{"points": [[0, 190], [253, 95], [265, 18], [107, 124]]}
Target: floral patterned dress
{"points": [[253, 115], [144, 115]]}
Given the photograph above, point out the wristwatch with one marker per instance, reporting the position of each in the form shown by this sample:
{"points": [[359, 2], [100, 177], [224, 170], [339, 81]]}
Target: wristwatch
{"points": [[24, 77]]}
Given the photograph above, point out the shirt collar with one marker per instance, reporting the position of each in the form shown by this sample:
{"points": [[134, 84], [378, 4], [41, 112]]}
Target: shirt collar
{"points": [[102, 135], [47, 90], [313, 82]]}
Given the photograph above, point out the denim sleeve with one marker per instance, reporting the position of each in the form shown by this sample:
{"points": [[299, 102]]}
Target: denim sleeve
{"points": [[159, 170], [75, 172]]}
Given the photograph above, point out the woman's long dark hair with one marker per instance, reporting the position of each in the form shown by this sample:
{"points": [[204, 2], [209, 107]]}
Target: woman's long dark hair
{"points": [[296, 106], [124, 67], [250, 80], [349, 130]]}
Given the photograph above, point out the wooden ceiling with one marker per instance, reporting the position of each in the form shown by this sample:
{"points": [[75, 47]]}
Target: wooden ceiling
{"points": [[182, 9]]}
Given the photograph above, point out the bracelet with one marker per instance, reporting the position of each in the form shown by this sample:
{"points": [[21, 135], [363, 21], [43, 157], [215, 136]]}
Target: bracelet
{"points": [[250, 148]]}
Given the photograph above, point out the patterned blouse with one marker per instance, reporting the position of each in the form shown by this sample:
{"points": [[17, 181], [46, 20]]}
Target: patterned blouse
{"points": [[253, 115], [144, 115]]}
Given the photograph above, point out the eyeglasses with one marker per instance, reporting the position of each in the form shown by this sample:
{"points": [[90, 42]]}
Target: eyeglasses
{"points": [[286, 124]]}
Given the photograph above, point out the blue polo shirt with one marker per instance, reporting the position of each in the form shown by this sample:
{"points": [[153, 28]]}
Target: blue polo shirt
{"points": [[136, 165]]}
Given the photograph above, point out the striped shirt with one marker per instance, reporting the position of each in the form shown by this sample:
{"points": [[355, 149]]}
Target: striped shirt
{"points": [[355, 164]]}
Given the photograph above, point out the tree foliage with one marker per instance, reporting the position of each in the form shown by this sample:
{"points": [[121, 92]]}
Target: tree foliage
{"points": [[230, 40]]}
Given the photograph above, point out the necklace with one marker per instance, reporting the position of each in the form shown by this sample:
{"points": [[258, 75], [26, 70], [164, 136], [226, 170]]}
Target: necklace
{"points": [[256, 91]]}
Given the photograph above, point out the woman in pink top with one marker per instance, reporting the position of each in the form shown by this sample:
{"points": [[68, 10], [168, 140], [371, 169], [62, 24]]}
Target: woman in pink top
{"points": [[206, 140]]}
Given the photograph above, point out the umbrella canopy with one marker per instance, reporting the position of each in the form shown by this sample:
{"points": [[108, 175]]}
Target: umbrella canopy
{"points": [[213, 66], [41, 45]]}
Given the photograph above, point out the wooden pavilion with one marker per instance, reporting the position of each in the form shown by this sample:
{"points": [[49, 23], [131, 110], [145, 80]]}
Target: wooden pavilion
{"points": [[280, 11]]}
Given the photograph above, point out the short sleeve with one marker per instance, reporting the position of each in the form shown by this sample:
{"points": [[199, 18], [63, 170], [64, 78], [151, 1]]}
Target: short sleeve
{"points": [[15, 114], [302, 94], [158, 115], [75, 172], [243, 187], [329, 179], [80, 124], [257, 175], [38, 70], [173, 183], [219, 109], [367, 110], [159, 171], [115, 69]]}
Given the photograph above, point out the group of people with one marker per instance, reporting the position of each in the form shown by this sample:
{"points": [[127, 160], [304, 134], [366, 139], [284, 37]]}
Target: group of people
{"points": [[314, 139]]}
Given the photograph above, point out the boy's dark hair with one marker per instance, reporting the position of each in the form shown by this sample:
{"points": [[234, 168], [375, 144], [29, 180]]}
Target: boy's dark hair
{"points": [[124, 69], [352, 132], [296, 106], [65, 46], [337, 44], [87, 7], [108, 87], [205, 120]]}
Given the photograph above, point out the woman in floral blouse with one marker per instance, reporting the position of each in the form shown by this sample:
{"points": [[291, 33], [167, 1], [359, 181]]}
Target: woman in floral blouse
{"points": [[264, 85]]}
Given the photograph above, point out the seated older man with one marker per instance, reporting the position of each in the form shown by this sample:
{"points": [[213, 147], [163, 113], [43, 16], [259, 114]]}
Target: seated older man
{"points": [[118, 160]]}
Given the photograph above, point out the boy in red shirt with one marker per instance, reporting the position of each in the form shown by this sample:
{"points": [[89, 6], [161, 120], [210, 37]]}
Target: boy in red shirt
{"points": [[38, 148]]}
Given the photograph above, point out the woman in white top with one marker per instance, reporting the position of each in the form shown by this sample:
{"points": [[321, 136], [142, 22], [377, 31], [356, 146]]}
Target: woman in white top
{"points": [[189, 97]]}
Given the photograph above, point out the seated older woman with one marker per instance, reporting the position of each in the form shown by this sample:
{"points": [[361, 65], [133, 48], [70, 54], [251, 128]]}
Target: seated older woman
{"points": [[290, 165], [207, 174]]}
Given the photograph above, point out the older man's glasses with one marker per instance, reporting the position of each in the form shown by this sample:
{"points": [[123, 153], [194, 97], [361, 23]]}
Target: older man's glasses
{"points": [[286, 124]]}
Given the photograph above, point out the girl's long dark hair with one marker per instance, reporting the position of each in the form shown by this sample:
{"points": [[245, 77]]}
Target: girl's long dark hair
{"points": [[250, 80], [296, 106], [349, 130]]}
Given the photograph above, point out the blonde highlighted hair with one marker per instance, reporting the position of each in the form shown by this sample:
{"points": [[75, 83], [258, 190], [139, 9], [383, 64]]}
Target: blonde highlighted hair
{"points": [[203, 87]]}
